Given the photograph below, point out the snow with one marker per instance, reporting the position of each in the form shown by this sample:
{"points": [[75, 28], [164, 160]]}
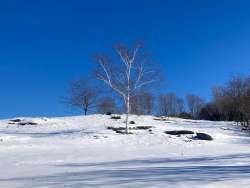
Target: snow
{"points": [[81, 152]]}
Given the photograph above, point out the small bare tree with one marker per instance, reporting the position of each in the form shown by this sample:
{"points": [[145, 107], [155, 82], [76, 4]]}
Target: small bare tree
{"points": [[195, 104], [180, 105], [170, 104], [107, 105], [83, 95], [142, 103], [128, 75]]}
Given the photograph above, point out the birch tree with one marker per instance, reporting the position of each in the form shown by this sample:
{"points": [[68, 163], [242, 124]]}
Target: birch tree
{"points": [[126, 76]]}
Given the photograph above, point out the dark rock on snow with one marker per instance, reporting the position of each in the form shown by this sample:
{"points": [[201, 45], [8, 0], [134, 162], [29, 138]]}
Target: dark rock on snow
{"points": [[116, 128], [21, 122], [179, 132], [130, 128], [27, 123], [122, 132], [203, 136], [116, 117], [15, 120], [143, 127]]}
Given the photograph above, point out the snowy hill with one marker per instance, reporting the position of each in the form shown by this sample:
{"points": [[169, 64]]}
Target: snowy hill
{"points": [[83, 152]]}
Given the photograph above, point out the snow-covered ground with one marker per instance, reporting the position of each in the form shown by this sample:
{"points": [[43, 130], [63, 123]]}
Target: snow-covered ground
{"points": [[81, 152]]}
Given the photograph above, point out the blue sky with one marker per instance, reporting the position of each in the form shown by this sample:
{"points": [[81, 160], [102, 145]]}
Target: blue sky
{"points": [[45, 44]]}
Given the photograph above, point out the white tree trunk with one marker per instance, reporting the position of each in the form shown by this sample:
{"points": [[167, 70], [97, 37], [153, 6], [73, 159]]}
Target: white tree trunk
{"points": [[127, 114]]}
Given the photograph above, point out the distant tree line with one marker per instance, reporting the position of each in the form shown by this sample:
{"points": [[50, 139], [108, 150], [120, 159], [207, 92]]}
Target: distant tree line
{"points": [[230, 102], [132, 90], [92, 97]]}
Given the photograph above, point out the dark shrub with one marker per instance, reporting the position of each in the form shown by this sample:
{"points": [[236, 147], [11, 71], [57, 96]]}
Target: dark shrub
{"points": [[210, 112], [131, 122], [185, 115], [108, 113]]}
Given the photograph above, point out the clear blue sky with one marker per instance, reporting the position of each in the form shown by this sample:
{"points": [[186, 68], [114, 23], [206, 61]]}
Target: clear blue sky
{"points": [[46, 43]]}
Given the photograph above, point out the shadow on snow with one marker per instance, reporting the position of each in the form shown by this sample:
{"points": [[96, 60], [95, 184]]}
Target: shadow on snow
{"points": [[150, 172]]}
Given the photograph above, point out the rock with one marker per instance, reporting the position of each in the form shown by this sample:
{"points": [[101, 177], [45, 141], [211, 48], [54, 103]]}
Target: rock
{"points": [[245, 129], [203, 136], [160, 119], [118, 129], [116, 117], [122, 132], [131, 122], [27, 123], [15, 120], [157, 119], [143, 127], [21, 122], [108, 113], [179, 132]]}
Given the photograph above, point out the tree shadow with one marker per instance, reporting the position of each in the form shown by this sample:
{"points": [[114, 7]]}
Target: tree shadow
{"points": [[151, 172], [49, 134]]}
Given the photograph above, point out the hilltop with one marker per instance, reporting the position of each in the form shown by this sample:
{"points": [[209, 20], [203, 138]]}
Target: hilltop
{"points": [[87, 151]]}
